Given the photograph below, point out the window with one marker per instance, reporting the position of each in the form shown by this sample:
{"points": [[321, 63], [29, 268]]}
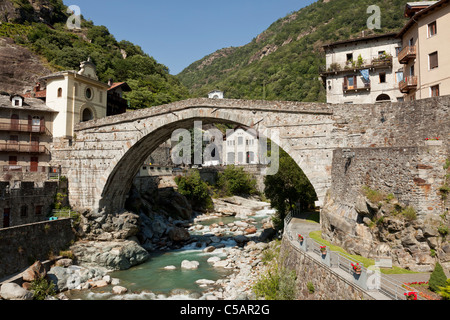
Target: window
{"points": [[411, 42], [397, 51], [432, 30], [89, 93], [350, 82], [399, 76], [435, 91], [38, 210], [87, 115], [349, 57], [17, 103], [59, 92], [24, 211], [382, 77], [240, 141], [433, 60], [411, 71], [13, 160]]}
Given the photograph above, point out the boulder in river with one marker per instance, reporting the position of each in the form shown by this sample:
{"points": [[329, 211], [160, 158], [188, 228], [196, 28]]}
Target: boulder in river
{"points": [[114, 255], [189, 265], [12, 291]]}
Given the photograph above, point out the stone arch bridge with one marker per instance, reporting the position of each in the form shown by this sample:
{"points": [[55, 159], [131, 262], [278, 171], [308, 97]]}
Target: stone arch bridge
{"points": [[105, 154]]}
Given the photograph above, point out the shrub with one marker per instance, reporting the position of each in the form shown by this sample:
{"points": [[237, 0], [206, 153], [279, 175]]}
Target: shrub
{"points": [[409, 213], [277, 284], [443, 230], [195, 190], [437, 278], [444, 291], [310, 287], [235, 181], [42, 288], [374, 196]]}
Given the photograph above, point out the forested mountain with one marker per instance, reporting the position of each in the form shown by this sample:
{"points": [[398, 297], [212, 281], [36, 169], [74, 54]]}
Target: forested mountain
{"points": [[40, 26], [282, 63]]}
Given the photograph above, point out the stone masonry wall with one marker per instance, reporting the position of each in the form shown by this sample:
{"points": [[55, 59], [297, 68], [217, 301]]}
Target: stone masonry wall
{"points": [[413, 176], [23, 201], [328, 285], [22, 246]]}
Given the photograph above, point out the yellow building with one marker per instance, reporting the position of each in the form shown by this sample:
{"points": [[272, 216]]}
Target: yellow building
{"points": [[77, 97], [425, 52]]}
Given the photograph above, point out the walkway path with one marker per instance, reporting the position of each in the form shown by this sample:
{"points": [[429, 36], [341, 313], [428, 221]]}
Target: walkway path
{"points": [[300, 225]]}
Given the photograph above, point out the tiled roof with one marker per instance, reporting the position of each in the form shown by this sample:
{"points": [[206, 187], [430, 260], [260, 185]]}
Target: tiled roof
{"points": [[32, 104], [125, 86]]}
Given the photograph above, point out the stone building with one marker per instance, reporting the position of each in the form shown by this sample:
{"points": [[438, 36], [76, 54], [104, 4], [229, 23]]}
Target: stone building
{"points": [[26, 194], [26, 126], [363, 70], [426, 50]]}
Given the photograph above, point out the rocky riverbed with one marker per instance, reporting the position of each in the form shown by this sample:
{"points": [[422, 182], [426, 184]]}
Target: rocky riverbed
{"points": [[234, 238]]}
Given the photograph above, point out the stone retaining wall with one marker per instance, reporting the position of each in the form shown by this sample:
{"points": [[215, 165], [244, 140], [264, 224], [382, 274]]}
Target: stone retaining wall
{"points": [[21, 246], [328, 285]]}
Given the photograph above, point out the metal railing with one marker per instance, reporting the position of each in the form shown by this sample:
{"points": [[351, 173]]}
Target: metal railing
{"points": [[351, 65], [23, 148], [63, 214], [20, 127], [385, 285]]}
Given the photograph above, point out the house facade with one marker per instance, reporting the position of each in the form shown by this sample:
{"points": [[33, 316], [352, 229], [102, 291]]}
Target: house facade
{"points": [[363, 70], [241, 147], [425, 53], [26, 126], [77, 97]]}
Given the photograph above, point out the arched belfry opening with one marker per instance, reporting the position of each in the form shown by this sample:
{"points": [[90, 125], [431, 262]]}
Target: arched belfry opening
{"points": [[87, 115]]}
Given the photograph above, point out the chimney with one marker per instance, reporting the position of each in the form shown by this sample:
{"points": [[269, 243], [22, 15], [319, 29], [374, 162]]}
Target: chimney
{"points": [[110, 82], [37, 88]]}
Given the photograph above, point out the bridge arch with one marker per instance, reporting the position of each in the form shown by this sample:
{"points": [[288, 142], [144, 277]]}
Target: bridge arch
{"points": [[109, 152]]}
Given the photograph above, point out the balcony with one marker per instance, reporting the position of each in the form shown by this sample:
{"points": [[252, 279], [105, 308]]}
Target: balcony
{"points": [[355, 88], [377, 62], [408, 53], [408, 84], [12, 168], [28, 128], [23, 148]]}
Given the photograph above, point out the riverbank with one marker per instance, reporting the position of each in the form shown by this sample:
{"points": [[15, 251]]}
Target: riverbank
{"points": [[228, 245]]}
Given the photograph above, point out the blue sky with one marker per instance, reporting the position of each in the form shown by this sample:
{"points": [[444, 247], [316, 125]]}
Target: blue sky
{"points": [[179, 32]]}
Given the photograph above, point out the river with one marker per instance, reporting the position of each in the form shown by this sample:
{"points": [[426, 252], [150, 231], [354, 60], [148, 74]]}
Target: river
{"points": [[151, 280]]}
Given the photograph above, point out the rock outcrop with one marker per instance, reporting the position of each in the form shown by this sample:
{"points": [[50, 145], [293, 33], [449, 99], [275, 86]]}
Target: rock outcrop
{"points": [[21, 69], [380, 230]]}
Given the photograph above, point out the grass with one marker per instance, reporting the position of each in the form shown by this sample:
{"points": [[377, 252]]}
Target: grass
{"points": [[317, 236]]}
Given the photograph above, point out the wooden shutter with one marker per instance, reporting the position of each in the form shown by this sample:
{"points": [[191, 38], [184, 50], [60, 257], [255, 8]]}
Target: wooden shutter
{"points": [[433, 60]]}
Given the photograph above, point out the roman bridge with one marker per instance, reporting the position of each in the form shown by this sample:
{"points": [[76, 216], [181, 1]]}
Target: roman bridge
{"points": [[106, 154]]}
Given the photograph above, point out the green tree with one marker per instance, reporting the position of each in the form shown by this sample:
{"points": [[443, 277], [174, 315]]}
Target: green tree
{"points": [[235, 181], [289, 188], [437, 278], [195, 190]]}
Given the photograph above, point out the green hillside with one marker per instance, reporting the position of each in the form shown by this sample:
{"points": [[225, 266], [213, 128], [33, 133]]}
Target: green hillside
{"points": [[283, 62], [64, 49]]}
